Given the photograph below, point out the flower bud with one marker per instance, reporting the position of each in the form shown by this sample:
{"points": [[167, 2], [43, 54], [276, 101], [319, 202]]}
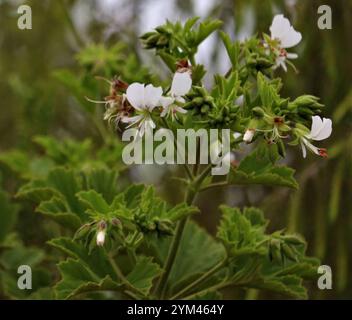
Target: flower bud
{"points": [[115, 222], [248, 136], [258, 112], [101, 238], [101, 233]]}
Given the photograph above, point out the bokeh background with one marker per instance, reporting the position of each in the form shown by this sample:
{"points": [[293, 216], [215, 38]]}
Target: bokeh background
{"points": [[39, 98]]}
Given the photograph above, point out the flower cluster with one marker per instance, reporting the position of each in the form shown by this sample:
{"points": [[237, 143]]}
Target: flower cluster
{"points": [[276, 120]]}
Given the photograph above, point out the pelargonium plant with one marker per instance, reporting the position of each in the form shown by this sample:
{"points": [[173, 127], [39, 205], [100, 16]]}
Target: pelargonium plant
{"points": [[130, 243]]}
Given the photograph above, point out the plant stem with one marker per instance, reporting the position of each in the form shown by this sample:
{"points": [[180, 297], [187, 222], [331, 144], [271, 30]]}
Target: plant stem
{"points": [[190, 195], [121, 276], [214, 185], [187, 169], [205, 276], [70, 23], [213, 288]]}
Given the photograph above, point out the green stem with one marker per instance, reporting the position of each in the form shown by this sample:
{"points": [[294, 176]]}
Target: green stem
{"points": [[214, 185], [190, 195], [70, 23], [205, 276], [211, 289], [187, 169], [121, 276]]}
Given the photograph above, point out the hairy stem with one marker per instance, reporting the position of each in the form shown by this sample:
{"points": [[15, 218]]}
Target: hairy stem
{"points": [[190, 195], [204, 277], [121, 276]]}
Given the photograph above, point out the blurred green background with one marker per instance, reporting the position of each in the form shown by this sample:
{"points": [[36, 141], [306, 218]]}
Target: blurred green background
{"points": [[35, 100]]}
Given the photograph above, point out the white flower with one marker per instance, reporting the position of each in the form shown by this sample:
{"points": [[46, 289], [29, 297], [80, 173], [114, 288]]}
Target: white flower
{"points": [[236, 135], [101, 238], [287, 37], [248, 135], [321, 129], [143, 99], [181, 84]]}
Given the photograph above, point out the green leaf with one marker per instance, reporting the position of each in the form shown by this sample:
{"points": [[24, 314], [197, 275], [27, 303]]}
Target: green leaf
{"points": [[241, 232], [257, 168], [198, 252], [232, 48], [96, 261], [143, 274], [206, 28], [103, 181], [94, 201], [8, 215], [57, 210], [289, 285], [77, 279], [67, 183]]}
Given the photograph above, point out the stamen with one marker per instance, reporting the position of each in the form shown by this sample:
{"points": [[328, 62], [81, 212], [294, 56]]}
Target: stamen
{"points": [[323, 152]]}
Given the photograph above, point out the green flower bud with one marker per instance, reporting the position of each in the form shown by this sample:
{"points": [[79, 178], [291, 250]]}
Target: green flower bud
{"points": [[293, 239], [205, 109], [289, 252], [82, 231], [264, 63], [198, 101], [258, 112]]}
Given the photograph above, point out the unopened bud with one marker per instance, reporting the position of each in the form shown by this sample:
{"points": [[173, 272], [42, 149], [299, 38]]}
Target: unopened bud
{"points": [[115, 222], [258, 112], [248, 136], [101, 238]]}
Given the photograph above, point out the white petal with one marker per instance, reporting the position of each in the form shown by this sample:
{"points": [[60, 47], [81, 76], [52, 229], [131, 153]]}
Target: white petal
{"points": [[317, 125], [165, 111], [279, 26], [131, 119], [304, 150], [181, 83], [135, 95], [292, 56], [166, 101], [283, 65], [152, 96], [180, 110], [236, 135], [282, 30], [291, 38], [325, 130]]}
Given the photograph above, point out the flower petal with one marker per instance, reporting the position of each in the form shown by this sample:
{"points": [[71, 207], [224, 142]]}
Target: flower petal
{"points": [[325, 130], [180, 110], [132, 120], [279, 26], [135, 95], [166, 101], [181, 83], [304, 150], [291, 38], [317, 125], [152, 96], [282, 30], [292, 56]]}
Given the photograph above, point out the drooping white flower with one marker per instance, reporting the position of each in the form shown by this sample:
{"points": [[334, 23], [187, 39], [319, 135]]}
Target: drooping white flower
{"points": [[286, 37], [101, 238], [248, 135], [321, 129], [143, 98], [181, 84]]}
